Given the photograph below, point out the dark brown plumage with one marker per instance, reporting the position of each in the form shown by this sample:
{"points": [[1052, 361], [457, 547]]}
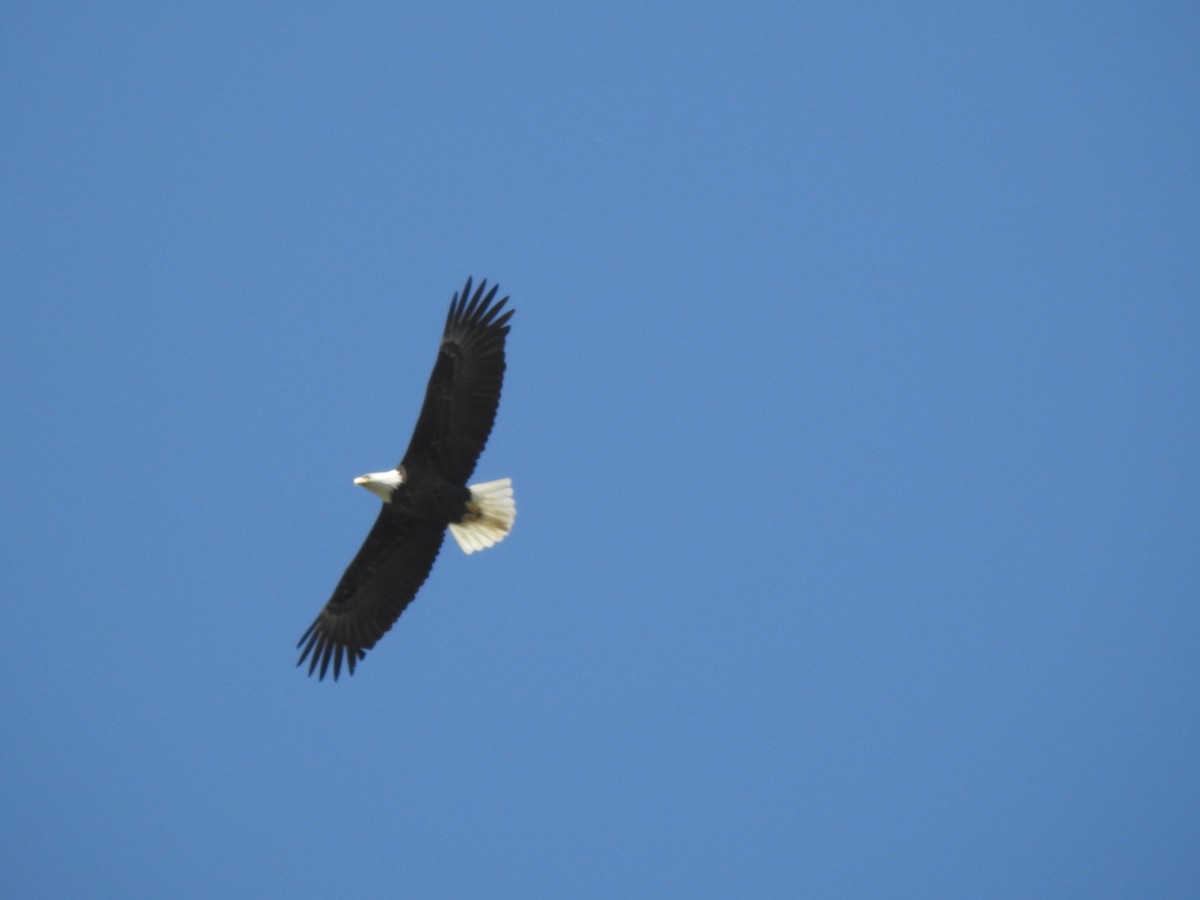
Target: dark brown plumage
{"points": [[451, 431]]}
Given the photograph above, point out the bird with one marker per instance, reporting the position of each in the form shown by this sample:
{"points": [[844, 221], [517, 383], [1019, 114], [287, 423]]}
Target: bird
{"points": [[426, 494]]}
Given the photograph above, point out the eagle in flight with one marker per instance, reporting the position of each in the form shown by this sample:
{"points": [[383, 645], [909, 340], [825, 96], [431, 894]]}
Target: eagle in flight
{"points": [[427, 492]]}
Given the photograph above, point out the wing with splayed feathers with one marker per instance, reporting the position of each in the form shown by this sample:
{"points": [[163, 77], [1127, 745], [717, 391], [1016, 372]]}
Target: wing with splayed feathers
{"points": [[464, 389], [379, 583]]}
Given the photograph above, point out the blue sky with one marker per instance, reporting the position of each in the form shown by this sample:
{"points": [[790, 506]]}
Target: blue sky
{"points": [[851, 410]]}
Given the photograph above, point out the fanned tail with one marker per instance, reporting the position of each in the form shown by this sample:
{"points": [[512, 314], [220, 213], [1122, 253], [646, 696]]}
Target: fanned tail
{"points": [[490, 514]]}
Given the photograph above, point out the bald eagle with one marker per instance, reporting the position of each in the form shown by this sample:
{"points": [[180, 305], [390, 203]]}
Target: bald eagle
{"points": [[427, 492]]}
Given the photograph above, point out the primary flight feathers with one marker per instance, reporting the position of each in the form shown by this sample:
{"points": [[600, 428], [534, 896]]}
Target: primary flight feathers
{"points": [[427, 492]]}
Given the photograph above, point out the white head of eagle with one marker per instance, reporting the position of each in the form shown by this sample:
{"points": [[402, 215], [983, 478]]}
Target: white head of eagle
{"points": [[427, 493], [382, 484]]}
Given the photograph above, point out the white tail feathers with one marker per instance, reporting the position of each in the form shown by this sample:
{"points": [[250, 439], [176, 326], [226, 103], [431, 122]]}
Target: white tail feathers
{"points": [[489, 517]]}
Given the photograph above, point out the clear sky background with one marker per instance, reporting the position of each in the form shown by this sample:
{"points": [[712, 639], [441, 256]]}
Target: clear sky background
{"points": [[852, 410]]}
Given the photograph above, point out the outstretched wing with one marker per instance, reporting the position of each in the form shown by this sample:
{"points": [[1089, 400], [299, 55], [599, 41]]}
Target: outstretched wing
{"points": [[379, 583], [464, 389]]}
